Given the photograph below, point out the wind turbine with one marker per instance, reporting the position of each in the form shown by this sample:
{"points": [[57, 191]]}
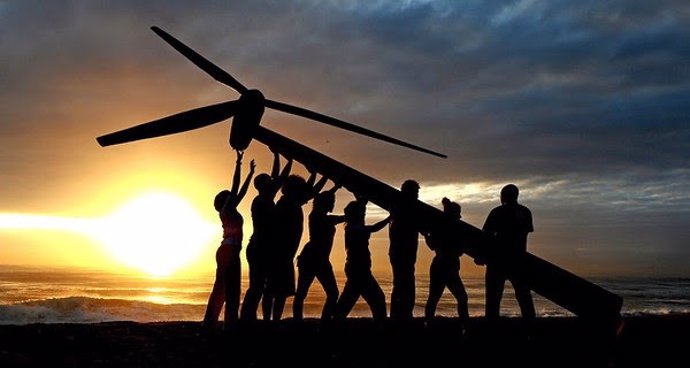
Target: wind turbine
{"points": [[246, 111]]}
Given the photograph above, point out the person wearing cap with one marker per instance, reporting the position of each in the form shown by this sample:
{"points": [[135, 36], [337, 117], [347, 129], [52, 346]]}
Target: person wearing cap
{"points": [[508, 225]]}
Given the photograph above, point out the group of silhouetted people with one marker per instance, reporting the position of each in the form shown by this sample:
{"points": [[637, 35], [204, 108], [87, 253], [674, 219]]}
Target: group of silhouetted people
{"points": [[278, 228]]}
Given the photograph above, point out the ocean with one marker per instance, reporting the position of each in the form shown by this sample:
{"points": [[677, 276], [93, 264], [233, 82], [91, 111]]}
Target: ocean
{"points": [[67, 295]]}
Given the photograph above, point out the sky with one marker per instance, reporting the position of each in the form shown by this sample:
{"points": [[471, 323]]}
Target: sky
{"points": [[582, 104]]}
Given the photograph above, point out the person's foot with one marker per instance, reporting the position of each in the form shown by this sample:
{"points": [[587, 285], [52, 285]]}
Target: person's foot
{"points": [[528, 333], [428, 323], [207, 330], [464, 329]]}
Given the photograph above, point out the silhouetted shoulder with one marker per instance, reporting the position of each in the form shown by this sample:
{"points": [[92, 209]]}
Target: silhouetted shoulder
{"points": [[524, 216], [509, 218]]}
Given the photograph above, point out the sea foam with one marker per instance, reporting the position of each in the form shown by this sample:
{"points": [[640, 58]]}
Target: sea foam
{"points": [[90, 310]]}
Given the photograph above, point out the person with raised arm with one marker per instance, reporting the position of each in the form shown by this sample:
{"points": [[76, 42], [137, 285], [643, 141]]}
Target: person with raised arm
{"points": [[289, 225], [226, 288], [258, 250], [313, 261], [360, 281]]}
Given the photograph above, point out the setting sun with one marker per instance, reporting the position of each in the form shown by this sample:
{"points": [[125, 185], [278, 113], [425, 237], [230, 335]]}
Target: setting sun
{"points": [[156, 232]]}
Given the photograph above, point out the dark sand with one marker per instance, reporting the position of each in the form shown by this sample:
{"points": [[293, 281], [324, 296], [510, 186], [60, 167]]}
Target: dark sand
{"points": [[654, 341]]}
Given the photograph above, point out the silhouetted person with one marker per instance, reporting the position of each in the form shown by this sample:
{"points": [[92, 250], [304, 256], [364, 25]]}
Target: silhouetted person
{"points": [[508, 225], [445, 267], [263, 219], [360, 281], [226, 288], [288, 232], [403, 234], [313, 261]]}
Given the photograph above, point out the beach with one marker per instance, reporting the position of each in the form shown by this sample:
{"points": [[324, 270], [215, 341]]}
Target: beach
{"points": [[645, 341]]}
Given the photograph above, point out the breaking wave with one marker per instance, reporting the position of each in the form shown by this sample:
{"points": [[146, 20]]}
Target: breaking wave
{"points": [[91, 310]]}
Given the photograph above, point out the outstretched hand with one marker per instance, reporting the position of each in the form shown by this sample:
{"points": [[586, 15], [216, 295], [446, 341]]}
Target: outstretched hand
{"points": [[252, 166], [274, 150], [337, 182]]}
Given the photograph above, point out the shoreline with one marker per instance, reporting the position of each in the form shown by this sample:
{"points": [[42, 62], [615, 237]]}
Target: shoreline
{"points": [[553, 341]]}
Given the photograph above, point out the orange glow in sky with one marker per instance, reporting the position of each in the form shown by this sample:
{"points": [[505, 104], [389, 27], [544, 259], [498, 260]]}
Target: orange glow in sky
{"points": [[155, 232]]}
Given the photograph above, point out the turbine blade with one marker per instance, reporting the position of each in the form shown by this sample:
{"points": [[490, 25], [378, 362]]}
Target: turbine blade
{"points": [[344, 125], [182, 122], [210, 68]]}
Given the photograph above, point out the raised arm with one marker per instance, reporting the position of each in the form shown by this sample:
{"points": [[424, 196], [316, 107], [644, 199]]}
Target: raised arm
{"points": [[335, 188], [245, 185], [335, 219], [276, 165], [318, 186], [313, 189], [312, 177], [379, 225], [236, 175], [285, 173]]}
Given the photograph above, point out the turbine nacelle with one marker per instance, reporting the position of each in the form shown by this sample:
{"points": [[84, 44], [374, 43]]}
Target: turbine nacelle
{"points": [[248, 117]]}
